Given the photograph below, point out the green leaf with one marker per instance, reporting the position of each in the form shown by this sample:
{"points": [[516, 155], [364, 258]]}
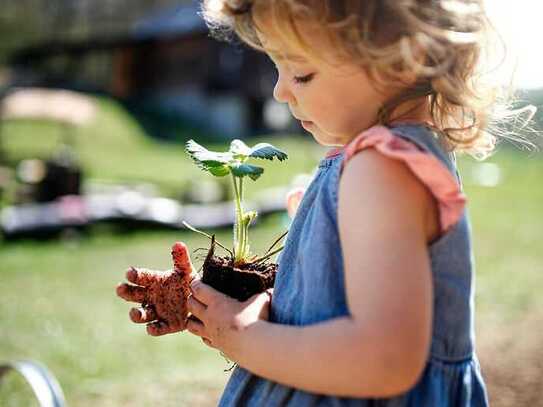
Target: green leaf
{"points": [[267, 151], [220, 171], [239, 148], [204, 156], [214, 162], [215, 168], [242, 170]]}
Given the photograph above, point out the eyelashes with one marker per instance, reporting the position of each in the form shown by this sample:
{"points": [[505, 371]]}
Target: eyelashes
{"points": [[303, 79], [298, 80]]}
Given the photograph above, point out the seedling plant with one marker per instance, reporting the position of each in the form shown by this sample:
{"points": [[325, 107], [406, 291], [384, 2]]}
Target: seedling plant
{"points": [[242, 274]]}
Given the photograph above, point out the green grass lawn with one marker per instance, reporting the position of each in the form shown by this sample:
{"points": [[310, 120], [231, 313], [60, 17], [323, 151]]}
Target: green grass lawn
{"points": [[57, 298], [59, 307]]}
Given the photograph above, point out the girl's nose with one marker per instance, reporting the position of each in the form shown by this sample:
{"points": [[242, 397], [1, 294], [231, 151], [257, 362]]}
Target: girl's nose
{"points": [[281, 93]]}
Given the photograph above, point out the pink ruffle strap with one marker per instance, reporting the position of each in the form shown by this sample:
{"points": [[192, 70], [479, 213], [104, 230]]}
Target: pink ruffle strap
{"points": [[432, 172]]}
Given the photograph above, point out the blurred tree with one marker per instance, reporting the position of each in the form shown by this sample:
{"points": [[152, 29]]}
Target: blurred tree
{"points": [[20, 23], [23, 22]]}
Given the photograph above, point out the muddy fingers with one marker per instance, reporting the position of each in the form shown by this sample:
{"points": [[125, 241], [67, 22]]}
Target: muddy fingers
{"points": [[143, 277], [143, 314], [181, 259], [159, 328], [162, 294], [131, 293]]}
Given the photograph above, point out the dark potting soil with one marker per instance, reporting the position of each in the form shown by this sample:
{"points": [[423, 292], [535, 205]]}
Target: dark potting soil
{"points": [[235, 282]]}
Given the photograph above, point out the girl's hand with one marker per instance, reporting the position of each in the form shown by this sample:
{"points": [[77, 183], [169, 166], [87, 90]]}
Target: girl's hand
{"points": [[220, 320], [162, 294], [294, 197]]}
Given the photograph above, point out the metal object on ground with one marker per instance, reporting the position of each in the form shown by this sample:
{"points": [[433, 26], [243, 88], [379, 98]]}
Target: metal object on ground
{"points": [[42, 381]]}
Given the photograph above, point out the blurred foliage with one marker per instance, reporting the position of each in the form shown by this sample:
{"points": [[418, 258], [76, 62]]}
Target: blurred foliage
{"points": [[115, 148], [25, 22]]}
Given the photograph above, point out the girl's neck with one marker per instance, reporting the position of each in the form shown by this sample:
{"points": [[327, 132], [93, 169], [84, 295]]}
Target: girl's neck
{"points": [[411, 112]]}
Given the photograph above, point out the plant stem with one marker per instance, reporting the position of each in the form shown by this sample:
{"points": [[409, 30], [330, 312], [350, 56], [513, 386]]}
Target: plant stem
{"points": [[268, 255], [207, 235], [237, 225], [277, 241], [236, 220], [243, 227]]}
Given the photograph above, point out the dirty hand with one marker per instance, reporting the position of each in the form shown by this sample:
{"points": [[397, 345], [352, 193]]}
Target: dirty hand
{"points": [[162, 294], [219, 319]]}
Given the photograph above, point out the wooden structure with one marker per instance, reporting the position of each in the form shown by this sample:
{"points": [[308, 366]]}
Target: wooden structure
{"points": [[167, 66]]}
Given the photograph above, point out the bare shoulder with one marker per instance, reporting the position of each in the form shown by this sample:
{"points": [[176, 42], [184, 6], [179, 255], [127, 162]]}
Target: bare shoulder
{"points": [[373, 184], [381, 219]]}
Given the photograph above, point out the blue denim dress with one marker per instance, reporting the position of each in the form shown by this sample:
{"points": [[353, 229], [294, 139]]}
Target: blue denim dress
{"points": [[307, 292]]}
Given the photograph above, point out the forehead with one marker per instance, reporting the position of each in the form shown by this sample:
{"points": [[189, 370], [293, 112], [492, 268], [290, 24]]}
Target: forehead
{"points": [[279, 49], [280, 41], [287, 57]]}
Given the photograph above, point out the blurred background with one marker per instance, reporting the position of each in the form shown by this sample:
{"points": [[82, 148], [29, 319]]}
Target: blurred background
{"points": [[98, 97]]}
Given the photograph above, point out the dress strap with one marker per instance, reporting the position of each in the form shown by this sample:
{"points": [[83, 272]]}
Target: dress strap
{"points": [[423, 164]]}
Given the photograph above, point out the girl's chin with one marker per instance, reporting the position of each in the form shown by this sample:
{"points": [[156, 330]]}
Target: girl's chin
{"points": [[306, 125]]}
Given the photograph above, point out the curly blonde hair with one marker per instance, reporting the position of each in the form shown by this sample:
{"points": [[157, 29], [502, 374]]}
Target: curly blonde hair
{"points": [[440, 41]]}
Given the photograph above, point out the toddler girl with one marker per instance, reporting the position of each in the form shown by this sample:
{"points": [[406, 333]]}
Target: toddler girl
{"points": [[374, 297]]}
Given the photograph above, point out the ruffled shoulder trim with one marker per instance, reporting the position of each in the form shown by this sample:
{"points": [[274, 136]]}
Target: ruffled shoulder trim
{"points": [[426, 167]]}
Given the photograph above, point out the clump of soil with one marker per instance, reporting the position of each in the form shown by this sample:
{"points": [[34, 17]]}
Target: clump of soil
{"points": [[240, 283]]}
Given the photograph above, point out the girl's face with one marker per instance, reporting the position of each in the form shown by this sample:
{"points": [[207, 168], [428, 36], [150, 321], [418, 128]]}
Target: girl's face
{"points": [[333, 103]]}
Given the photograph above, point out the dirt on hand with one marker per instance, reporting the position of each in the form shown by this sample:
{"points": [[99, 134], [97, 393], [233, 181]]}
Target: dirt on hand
{"points": [[162, 294]]}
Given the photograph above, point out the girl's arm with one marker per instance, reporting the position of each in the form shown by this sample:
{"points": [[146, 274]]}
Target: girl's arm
{"points": [[380, 350]]}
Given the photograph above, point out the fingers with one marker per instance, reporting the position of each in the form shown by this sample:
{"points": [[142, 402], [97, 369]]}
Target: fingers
{"points": [[158, 328], [294, 197], [262, 302], [208, 342], [269, 291], [181, 259], [263, 297], [131, 293], [204, 293], [195, 326], [196, 308], [141, 315], [143, 277]]}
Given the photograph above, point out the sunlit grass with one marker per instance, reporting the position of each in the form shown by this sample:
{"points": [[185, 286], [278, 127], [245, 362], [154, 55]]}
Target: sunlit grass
{"points": [[59, 307], [508, 234]]}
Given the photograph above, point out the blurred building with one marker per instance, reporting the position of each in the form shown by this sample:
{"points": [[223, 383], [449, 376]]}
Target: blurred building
{"points": [[168, 72]]}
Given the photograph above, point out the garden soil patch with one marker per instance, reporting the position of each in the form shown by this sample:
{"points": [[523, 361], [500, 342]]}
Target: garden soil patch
{"points": [[511, 358]]}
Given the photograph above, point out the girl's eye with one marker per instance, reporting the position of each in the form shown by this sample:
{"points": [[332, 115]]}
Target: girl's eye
{"points": [[303, 79]]}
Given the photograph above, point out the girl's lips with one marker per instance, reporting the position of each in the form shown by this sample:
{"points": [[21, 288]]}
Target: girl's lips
{"points": [[306, 123]]}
